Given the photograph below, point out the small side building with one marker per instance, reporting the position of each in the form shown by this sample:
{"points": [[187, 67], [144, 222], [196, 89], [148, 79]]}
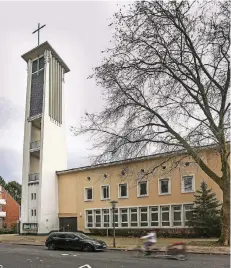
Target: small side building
{"points": [[9, 210], [155, 191]]}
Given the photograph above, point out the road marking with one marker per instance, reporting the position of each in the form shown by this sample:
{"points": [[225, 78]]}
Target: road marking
{"points": [[85, 266], [64, 254]]}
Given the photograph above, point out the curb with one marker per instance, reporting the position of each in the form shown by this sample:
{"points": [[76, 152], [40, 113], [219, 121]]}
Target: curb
{"points": [[124, 249]]}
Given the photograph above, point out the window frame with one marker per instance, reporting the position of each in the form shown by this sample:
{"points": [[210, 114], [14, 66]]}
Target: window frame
{"points": [[184, 213], [101, 192], [138, 188], [140, 218], [119, 191], [169, 186], [85, 194], [182, 184], [120, 217], [92, 215], [169, 216], [181, 216], [154, 212], [137, 217]]}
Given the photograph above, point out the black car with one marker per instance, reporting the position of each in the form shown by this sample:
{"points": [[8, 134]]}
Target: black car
{"points": [[79, 241]]}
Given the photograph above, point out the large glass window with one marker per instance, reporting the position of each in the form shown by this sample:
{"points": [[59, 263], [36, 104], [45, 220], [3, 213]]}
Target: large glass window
{"points": [[89, 217], [124, 217], [133, 217], [164, 186], [88, 194], [123, 190], [187, 213], [143, 188], [116, 217], [176, 215], [154, 216], [106, 218], [97, 218], [143, 217], [165, 219], [187, 184], [105, 194]]}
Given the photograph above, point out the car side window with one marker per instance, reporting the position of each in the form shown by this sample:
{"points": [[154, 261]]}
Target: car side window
{"points": [[63, 236], [71, 236]]}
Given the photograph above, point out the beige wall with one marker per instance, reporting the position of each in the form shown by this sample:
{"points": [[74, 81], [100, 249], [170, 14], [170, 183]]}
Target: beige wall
{"points": [[34, 165], [35, 134], [71, 185]]}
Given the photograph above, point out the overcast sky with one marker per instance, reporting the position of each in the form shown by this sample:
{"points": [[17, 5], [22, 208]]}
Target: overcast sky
{"points": [[78, 31]]}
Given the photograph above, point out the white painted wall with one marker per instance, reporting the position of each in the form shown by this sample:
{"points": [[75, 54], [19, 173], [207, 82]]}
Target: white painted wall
{"points": [[35, 134], [26, 152], [32, 203], [53, 157]]}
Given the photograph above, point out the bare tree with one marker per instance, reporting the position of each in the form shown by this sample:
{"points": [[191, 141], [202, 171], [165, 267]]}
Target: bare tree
{"points": [[166, 85]]}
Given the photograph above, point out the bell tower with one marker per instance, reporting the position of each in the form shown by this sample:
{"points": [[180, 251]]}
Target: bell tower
{"points": [[44, 149]]}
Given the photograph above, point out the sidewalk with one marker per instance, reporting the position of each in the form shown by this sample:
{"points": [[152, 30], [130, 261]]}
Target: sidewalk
{"points": [[128, 243]]}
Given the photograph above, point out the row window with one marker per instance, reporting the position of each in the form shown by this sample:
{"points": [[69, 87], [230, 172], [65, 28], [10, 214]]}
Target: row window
{"points": [[33, 196], [164, 188], [153, 216], [33, 212]]}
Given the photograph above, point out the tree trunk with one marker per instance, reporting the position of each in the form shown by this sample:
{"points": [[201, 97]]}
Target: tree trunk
{"points": [[225, 211]]}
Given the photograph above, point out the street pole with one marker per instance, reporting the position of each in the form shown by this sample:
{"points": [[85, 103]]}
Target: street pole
{"points": [[113, 203], [113, 211]]}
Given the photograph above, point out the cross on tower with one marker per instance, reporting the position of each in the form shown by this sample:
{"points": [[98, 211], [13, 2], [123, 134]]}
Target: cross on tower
{"points": [[38, 30]]}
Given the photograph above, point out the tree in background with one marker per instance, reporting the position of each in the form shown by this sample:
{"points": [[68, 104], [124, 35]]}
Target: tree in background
{"points": [[206, 219], [13, 188], [166, 86]]}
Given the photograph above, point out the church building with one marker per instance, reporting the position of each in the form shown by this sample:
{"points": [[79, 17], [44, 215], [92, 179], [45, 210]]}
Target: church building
{"points": [[154, 191]]}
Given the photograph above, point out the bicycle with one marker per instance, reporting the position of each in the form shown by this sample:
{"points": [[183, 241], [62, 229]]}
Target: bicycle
{"points": [[176, 250]]}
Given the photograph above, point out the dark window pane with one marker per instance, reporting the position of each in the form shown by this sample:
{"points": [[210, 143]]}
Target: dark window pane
{"points": [[123, 224], [188, 215], [41, 63], [134, 210], [154, 217], [144, 217], [34, 66], [133, 224], [124, 217], [123, 190], [143, 209], [177, 216], [165, 223], [165, 216], [188, 183], [164, 186], [144, 224], [133, 217], [89, 193], [143, 188], [177, 223], [154, 223]]}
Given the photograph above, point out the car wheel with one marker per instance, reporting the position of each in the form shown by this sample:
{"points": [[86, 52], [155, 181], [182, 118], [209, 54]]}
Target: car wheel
{"points": [[51, 246], [87, 248]]}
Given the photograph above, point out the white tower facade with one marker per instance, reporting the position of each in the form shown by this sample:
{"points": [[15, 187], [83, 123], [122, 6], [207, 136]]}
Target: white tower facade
{"points": [[44, 149]]}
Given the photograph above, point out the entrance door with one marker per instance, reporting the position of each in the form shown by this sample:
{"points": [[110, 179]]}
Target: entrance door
{"points": [[68, 224]]}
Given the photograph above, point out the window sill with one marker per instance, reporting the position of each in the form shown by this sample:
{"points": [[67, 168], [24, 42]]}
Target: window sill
{"points": [[189, 192], [88, 200], [123, 197], [143, 195], [105, 199], [164, 193]]}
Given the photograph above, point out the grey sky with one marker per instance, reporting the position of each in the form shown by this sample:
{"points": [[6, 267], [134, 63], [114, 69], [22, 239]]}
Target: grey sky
{"points": [[78, 31]]}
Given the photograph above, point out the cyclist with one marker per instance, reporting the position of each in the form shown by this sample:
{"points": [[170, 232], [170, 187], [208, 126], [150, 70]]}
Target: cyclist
{"points": [[151, 239]]}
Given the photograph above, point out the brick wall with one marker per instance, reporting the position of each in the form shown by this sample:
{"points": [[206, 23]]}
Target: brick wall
{"points": [[11, 208]]}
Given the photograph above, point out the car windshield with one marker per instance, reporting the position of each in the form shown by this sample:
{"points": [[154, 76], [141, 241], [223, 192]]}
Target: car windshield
{"points": [[83, 236]]}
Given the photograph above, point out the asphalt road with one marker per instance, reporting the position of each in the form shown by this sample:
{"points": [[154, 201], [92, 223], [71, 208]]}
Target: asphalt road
{"points": [[15, 256]]}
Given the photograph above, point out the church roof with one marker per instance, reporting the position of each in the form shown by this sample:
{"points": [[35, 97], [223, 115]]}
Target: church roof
{"points": [[136, 159], [39, 50]]}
